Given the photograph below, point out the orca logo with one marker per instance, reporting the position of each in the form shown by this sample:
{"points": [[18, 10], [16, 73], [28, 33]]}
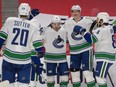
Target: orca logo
{"points": [[58, 43], [75, 36]]}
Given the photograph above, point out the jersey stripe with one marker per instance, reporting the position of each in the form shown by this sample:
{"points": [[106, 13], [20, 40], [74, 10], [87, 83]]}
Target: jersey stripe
{"points": [[33, 53], [17, 55], [94, 39], [55, 57], [105, 55], [3, 35], [80, 47], [37, 44]]}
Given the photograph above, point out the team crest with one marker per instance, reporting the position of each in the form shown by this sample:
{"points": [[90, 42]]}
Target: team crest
{"points": [[58, 42], [75, 36]]}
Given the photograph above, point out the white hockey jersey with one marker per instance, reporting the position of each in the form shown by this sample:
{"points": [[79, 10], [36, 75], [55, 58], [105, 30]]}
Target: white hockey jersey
{"points": [[36, 23], [55, 45], [19, 35], [104, 46], [77, 43]]}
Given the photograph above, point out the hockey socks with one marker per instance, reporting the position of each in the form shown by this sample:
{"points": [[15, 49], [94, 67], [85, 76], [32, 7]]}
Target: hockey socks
{"points": [[76, 84], [91, 84], [50, 84], [63, 84], [103, 85]]}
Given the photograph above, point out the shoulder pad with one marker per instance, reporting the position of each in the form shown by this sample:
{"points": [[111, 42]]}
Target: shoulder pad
{"points": [[10, 19], [88, 17]]}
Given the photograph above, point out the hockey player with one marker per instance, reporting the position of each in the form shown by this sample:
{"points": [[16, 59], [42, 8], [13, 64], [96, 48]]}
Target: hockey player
{"points": [[103, 37], [55, 55], [36, 63], [80, 49], [19, 33]]}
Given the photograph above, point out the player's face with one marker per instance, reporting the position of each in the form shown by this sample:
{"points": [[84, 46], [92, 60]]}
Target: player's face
{"points": [[75, 13], [99, 22], [56, 26]]}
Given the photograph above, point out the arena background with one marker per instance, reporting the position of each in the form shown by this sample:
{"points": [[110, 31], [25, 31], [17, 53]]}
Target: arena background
{"points": [[48, 8]]}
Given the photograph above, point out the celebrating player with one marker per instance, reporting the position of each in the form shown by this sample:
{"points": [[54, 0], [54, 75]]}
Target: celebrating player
{"points": [[19, 33], [80, 49], [55, 55], [103, 37], [36, 63]]}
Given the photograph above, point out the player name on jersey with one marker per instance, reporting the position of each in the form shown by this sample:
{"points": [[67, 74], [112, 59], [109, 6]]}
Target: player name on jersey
{"points": [[20, 23]]}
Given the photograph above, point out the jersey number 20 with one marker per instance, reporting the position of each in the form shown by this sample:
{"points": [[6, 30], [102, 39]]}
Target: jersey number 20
{"points": [[22, 35]]}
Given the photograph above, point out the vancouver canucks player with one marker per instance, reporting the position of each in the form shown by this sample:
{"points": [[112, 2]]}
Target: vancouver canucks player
{"points": [[80, 49], [103, 37], [19, 33], [55, 55], [36, 63]]}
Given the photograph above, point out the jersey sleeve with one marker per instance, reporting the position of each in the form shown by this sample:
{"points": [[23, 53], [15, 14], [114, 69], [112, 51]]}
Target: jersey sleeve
{"points": [[96, 36], [93, 38], [37, 41], [4, 32]]}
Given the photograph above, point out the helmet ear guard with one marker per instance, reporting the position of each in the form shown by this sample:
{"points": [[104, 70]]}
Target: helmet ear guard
{"points": [[103, 17], [24, 9]]}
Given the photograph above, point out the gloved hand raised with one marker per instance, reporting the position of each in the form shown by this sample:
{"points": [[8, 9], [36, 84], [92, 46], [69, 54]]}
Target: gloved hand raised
{"points": [[79, 29]]}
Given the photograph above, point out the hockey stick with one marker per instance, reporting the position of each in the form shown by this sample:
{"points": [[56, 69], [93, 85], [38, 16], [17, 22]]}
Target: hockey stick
{"points": [[58, 75], [111, 80], [45, 80], [0, 77]]}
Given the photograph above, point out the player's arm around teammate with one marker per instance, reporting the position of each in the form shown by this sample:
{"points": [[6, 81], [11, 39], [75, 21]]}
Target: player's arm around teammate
{"points": [[37, 66], [103, 37], [81, 52]]}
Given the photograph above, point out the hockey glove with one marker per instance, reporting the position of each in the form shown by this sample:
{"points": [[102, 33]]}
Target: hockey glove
{"points": [[33, 13], [79, 29], [35, 60], [114, 27], [38, 66], [41, 53]]}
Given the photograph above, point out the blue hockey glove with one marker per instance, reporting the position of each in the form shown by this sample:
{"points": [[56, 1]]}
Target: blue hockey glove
{"points": [[35, 60], [40, 55], [33, 13], [114, 27], [79, 29], [41, 52], [38, 66]]}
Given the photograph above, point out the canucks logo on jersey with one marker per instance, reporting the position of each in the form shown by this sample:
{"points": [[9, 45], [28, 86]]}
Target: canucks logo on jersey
{"points": [[75, 36], [58, 42], [41, 31]]}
